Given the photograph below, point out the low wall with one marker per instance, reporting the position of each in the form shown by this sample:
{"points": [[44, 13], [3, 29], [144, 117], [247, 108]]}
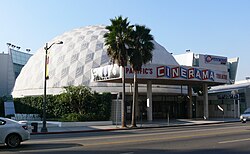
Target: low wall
{"points": [[71, 124], [89, 123]]}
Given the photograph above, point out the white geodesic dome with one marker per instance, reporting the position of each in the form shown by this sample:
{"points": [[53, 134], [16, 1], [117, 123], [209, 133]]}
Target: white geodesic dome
{"points": [[71, 63]]}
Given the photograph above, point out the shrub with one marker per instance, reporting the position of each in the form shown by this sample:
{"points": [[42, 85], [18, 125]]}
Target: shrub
{"points": [[72, 117], [76, 104], [9, 116], [79, 117]]}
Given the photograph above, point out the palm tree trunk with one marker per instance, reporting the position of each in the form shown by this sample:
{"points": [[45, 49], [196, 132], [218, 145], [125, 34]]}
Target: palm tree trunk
{"points": [[134, 100], [123, 98]]}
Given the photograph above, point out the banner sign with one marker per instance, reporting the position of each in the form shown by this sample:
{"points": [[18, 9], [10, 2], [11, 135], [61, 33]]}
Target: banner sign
{"points": [[9, 108], [47, 68]]}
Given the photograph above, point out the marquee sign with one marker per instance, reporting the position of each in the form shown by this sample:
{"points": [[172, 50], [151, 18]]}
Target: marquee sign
{"points": [[163, 72], [184, 73], [153, 71]]}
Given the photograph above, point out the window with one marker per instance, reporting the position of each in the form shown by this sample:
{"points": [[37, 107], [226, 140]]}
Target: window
{"points": [[216, 107], [229, 107]]}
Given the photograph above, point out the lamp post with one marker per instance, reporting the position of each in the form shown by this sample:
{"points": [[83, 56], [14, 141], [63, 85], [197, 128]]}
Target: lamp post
{"points": [[236, 97], [44, 128]]}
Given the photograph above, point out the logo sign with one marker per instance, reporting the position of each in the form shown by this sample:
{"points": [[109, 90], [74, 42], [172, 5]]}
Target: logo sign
{"points": [[210, 59], [227, 96], [106, 72]]}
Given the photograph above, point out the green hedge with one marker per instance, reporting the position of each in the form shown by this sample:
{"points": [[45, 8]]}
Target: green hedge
{"points": [[76, 104]]}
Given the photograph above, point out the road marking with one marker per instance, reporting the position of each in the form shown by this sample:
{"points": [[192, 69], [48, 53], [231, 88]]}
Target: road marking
{"points": [[156, 139], [232, 141], [143, 140]]}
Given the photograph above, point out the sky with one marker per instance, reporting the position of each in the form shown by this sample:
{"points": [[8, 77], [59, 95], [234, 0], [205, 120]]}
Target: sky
{"points": [[216, 27]]}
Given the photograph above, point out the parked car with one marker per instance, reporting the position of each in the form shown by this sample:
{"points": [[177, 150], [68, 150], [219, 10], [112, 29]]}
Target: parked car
{"points": [[245, 116], [12, 132]]}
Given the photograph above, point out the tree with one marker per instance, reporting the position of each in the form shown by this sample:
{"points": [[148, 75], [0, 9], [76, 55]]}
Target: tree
{"points": [[140, 53], [118, 39]]}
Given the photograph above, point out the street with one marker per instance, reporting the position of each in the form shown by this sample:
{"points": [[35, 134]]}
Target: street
{"points": [[214, 138]]}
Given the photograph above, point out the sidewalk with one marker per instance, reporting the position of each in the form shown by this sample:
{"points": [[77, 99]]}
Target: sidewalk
{"points": [[76, 127]]}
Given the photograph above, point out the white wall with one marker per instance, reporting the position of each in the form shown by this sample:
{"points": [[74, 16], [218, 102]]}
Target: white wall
{"points": [[185, 59]]}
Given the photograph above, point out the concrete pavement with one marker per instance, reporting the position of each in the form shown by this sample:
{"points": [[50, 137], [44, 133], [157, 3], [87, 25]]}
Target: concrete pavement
{"points": [[76, 127]]}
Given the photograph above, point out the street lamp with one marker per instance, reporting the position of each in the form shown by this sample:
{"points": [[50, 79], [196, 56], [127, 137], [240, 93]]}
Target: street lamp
{"points": [[236, 96], [46, 48]]}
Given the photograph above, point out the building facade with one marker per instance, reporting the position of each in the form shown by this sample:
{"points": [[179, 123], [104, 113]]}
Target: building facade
{"points": [[165, 84], [197, 70], [229, 100], [11, 64]]}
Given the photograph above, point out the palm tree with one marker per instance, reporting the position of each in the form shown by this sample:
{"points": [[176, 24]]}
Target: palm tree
{"points": [[118, 40], [140, 53]]}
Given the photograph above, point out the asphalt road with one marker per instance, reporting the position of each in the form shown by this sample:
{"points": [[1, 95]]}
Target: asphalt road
{"points": [[213, 139]]}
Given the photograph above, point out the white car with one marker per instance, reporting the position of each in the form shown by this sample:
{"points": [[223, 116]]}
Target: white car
{"points": [[12, 133], [245, 116]]}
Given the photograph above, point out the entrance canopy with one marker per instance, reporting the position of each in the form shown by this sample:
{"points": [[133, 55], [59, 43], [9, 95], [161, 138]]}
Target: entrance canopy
{"points": [[162, 74]]}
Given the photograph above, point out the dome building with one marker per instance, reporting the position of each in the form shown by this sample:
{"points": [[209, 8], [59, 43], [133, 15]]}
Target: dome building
{"points": [[83, 51], [71, 64]]}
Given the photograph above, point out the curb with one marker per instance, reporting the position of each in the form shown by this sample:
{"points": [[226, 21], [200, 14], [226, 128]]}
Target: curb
{"points": [[78, 131], [126, 128]]}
